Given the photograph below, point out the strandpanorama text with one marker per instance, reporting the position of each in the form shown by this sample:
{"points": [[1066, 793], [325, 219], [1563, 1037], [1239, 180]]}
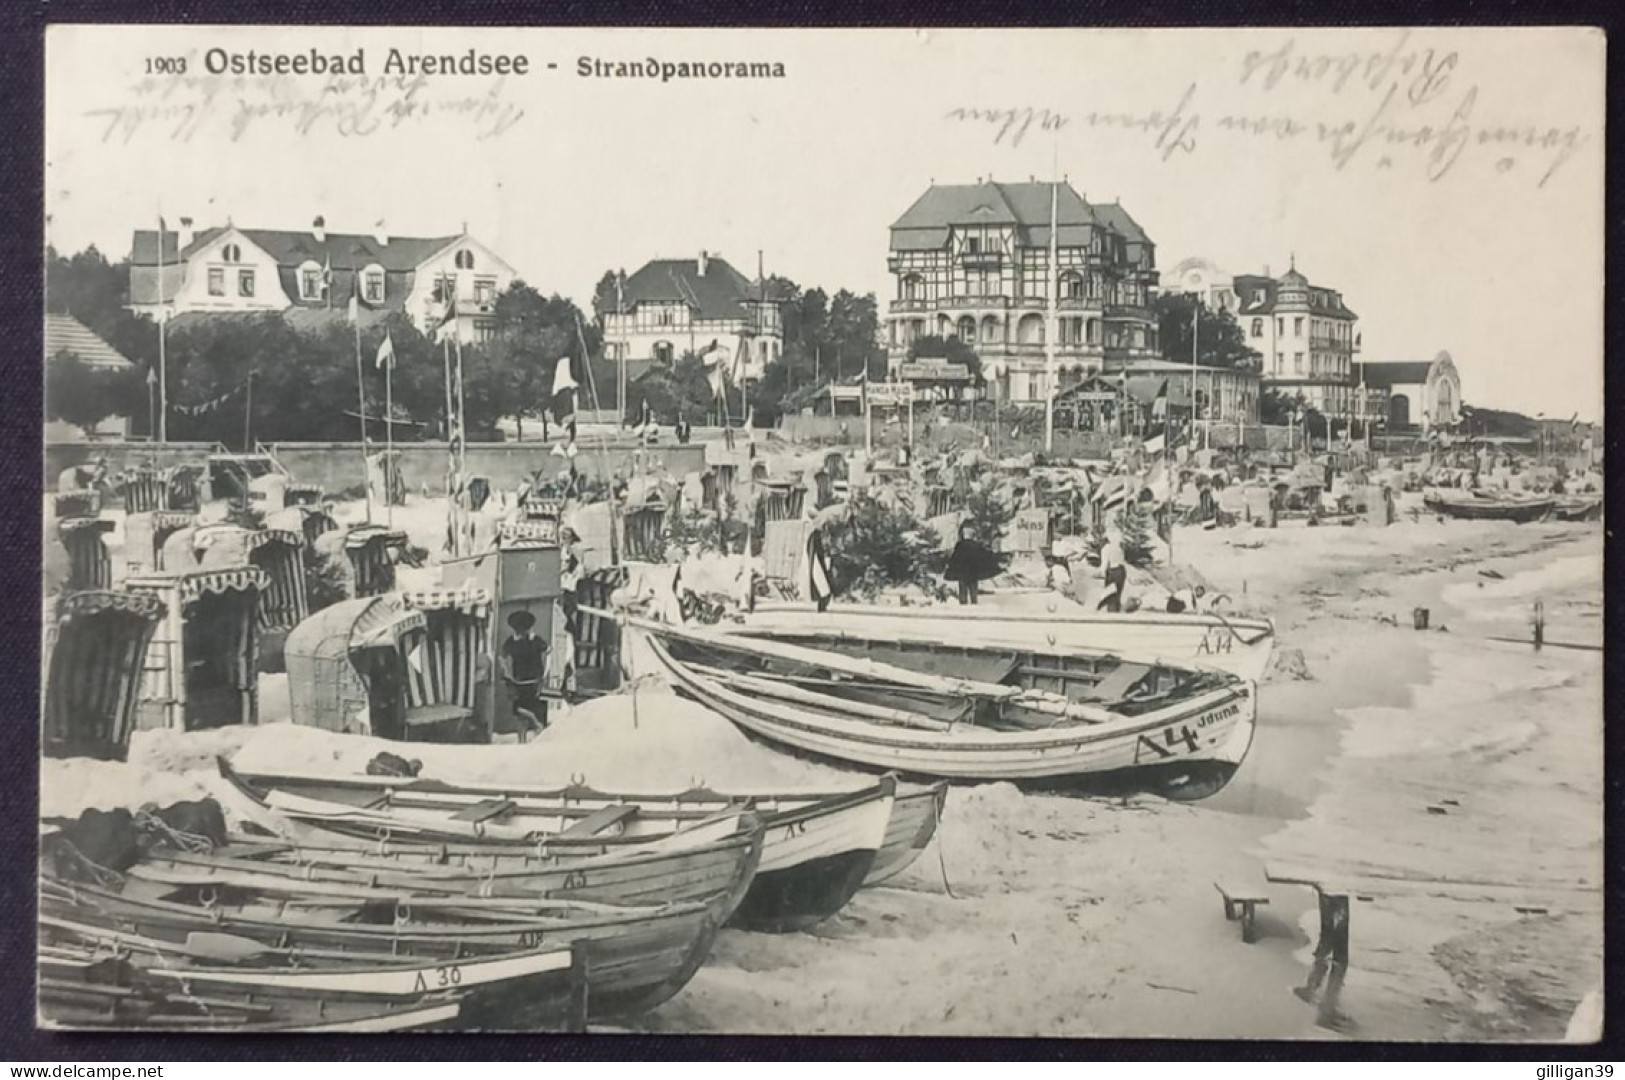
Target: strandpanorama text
{"points": [[314, 62]]}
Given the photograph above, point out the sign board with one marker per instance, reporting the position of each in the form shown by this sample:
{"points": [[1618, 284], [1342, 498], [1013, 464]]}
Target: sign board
{"points": [[940, 370], [1029, 531], [890, 393]]}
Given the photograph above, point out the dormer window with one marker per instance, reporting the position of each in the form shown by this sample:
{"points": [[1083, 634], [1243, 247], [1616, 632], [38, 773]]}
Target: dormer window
{"points": [[973, 245], [464, 260], [231, 253], [310, 280], [372, 284]]}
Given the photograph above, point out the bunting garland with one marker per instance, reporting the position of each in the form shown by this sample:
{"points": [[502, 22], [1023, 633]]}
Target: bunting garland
{"points": [[207, 406]]}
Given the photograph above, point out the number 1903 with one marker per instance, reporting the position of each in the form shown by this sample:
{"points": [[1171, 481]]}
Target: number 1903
{"points": [[166, 65]]}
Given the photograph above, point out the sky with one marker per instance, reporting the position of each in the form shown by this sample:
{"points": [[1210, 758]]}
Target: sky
{"points": [[1449, 182]]}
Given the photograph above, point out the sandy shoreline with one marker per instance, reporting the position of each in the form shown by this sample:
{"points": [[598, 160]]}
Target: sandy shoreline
{"points": [[1054, 916], [1080, 917]]}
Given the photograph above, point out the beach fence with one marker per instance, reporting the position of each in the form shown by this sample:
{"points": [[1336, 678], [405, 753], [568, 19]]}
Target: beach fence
{"points": [[337, 466]]}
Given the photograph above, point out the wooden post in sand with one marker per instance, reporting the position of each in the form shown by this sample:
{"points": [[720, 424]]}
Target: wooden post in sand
{"points": [[1540, 623]]}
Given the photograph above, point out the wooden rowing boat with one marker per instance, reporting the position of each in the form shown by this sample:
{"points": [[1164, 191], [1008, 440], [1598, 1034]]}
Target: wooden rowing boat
{"points": [[1485, 506], [817, 851], [967, 713], [1241, 645], [530, 989], [1577, 507], [82, 990], [636, 957]]}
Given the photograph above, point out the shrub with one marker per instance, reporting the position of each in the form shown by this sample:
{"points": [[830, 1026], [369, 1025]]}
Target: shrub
{"points": [[879, 546]]}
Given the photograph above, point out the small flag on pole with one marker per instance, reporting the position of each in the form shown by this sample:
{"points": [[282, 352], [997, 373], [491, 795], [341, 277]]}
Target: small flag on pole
{"points": [[447, 327], [562, 378], [386, 352]]}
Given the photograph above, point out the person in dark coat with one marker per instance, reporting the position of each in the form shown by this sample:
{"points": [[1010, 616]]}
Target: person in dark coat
{"points": [[970, 564]]}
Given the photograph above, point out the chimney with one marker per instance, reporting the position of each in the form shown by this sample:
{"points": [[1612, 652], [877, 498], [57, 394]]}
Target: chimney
{"points": [[704, 261], [1266, 269], [380, 235], [318, 229], [187, 234]]}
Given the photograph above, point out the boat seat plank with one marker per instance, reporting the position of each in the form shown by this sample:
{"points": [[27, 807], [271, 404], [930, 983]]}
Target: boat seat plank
{"points": [[485, 810], [1117, 683], [599, 820]]}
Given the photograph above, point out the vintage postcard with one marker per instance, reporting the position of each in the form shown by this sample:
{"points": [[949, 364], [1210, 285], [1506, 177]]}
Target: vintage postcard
{"points": [[888, 532]]}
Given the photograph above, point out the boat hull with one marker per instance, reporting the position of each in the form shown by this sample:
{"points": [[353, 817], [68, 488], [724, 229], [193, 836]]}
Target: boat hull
{"points": [[797, 831], [1521, 511], [1215, 728], [914, 820], [1238, 645], [634, 962]]}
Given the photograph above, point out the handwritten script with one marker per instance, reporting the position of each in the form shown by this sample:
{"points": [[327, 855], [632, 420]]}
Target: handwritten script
{"points": [[186, 107], [1384, 109]]}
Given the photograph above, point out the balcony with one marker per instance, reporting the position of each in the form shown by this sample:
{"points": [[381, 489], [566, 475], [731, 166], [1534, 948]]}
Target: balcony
{"points": [[1127, 311], [982, 260], [902, 307]]}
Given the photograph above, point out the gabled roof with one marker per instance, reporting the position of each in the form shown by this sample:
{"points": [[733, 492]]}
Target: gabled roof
{"points": [[1247, 287], [992, 203], [292, 248], [1113, 216], [1387, 375], [720, 294], [66, 334], [1022, 206]]}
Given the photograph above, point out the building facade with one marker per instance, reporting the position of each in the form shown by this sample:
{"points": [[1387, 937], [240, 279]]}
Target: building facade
{"points": [[673, 306], [1205, 279], [1307, 336], [972, 261], [1409, 395], [232, 270]]}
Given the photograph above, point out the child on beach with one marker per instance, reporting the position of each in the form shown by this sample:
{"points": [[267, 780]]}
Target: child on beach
{"points": [[524, 663]]}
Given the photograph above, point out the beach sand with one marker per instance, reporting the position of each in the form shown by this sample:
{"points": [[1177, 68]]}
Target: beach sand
{"points": [[1048, 915]]}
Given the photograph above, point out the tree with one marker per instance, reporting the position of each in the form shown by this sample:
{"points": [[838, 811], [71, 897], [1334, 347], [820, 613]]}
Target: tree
{"points": [[517, 366], [79, 394], [1219, 339]]}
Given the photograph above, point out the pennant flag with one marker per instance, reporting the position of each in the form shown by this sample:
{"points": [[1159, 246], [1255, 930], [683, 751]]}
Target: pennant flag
{"points": [[327, 275], [819, 587], [386, 352], [563, 380], [354, 313], [446, 328]]}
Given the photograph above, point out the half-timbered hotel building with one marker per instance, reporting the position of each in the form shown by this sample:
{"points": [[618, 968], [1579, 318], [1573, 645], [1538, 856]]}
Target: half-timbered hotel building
{"points": [[973, 261]]}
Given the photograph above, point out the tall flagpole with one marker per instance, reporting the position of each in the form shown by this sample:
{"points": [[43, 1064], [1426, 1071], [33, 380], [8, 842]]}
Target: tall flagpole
{"points": [[1196, 310], [1054, 288], [163, 329], [361, 410], [389, 441]]}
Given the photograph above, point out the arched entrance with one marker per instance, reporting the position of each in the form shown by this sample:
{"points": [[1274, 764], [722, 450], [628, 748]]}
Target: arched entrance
{"points": [[1399, 411]]}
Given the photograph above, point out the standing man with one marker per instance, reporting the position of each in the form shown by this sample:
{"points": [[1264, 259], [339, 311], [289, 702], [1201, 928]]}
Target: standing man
{"points": [[524, 666], [1113, 572]]}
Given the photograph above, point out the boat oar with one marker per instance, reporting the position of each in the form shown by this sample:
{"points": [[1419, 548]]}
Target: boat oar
{"points": [[230, 948]]}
